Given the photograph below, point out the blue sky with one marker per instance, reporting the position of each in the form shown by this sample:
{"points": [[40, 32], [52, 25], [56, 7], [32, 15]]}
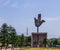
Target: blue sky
{"points": [[20, 14]]}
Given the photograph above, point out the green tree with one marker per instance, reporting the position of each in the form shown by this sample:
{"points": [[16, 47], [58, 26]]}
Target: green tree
{"points": [[12, 35], [55, 42], [4, 33], [8, 35], [18, 41], [22, 40], [28, 41], [45, 42]]}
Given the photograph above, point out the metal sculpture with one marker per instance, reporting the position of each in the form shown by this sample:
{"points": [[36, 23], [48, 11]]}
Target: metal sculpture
{"points": [[38, 22]]}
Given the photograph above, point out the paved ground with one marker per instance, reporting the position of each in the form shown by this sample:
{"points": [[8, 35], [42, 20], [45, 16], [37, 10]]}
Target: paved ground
{"points": [[7, 49], [14, 49]]}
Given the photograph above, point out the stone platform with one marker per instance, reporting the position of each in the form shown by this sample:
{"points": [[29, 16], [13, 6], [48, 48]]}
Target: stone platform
{"points": [[37, 39]]}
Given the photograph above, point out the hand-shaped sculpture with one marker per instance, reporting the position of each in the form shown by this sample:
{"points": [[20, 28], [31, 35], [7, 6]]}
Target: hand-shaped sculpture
{"points": [[38, 22]]}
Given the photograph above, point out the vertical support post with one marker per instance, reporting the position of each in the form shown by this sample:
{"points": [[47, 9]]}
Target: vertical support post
{"points": [[37, 36], [37, 29]]}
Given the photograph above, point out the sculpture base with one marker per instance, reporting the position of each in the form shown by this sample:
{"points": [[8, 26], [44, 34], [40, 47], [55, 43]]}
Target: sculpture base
{"points": [[37, 39]]}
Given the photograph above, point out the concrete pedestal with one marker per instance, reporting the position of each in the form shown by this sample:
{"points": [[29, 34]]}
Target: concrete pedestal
{"points": [[37, 39]]}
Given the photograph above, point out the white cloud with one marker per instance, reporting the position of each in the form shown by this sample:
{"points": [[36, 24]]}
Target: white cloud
{"points": [[1, 1], [27, 5], [15, 5], [23, 5], [1, 21], [52, 19], [6, 2]]}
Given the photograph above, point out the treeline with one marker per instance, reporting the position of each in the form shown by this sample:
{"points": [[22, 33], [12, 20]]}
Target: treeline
{"points": [[8, 35], [53, 42]]}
